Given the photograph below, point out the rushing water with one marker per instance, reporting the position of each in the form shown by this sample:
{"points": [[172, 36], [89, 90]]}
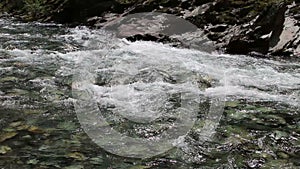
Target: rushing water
{"points": [[41, 63]]}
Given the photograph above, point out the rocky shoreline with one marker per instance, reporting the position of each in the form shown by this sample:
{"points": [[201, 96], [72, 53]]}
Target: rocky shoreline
{"points": [[263, 28]]}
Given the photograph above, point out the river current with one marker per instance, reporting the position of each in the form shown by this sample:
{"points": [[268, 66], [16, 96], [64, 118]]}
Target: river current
{"points": [[243, 111]]}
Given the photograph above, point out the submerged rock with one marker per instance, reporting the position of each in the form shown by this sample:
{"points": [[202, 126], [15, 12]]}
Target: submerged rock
{"points": [[5, 149], [7, 135]]}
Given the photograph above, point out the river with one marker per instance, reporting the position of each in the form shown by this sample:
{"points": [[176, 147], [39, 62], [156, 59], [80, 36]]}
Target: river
{"points": [[238, 111]]}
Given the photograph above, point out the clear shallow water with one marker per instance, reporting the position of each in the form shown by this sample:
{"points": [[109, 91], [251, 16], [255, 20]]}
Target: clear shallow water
{"points": [[258, 128]]}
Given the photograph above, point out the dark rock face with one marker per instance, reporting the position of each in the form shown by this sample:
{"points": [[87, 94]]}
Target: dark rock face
{"points": [[244, 27], [261, 34], [286, 38], [77, 11], [237, 27]]}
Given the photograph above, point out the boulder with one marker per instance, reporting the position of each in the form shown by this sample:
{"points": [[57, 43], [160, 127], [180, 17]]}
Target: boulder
{"points": [[260, 33], [297, 51], [288, 35], [162, 28]]}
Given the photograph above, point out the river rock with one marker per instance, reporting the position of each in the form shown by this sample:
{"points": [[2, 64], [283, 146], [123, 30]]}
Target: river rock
{"points": [[199, 10], [289, 33], [162, 28], [257, 34], [196, 40], [156, 38], [297, 51]]}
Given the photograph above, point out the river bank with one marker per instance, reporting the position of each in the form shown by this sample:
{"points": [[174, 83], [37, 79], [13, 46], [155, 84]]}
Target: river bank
{"points": [[258, 28]]}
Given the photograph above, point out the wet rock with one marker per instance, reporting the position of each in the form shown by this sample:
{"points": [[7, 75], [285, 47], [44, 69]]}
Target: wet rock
{"points": [[271, 19], [67, 125], [229, 12], [279, 134], [297, 51], [15, 124], [254, 37], [5, 149], [271, 120], [33, 161], [7, 135], [167, 6], [214, 36], [74, 167], [96, 160], [288, 35], [232, 104], [255, 163], [156, 38], [197, 11], [160, 28], [257, 55], [238, 115], [76, 156], [63, 11], [218, 28], [79, 11], [27, 137], [282, 155], [196, 40], [274, 32], [102, 21], [238, 46], [35, 129], [153, 24], [152, 75]]}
